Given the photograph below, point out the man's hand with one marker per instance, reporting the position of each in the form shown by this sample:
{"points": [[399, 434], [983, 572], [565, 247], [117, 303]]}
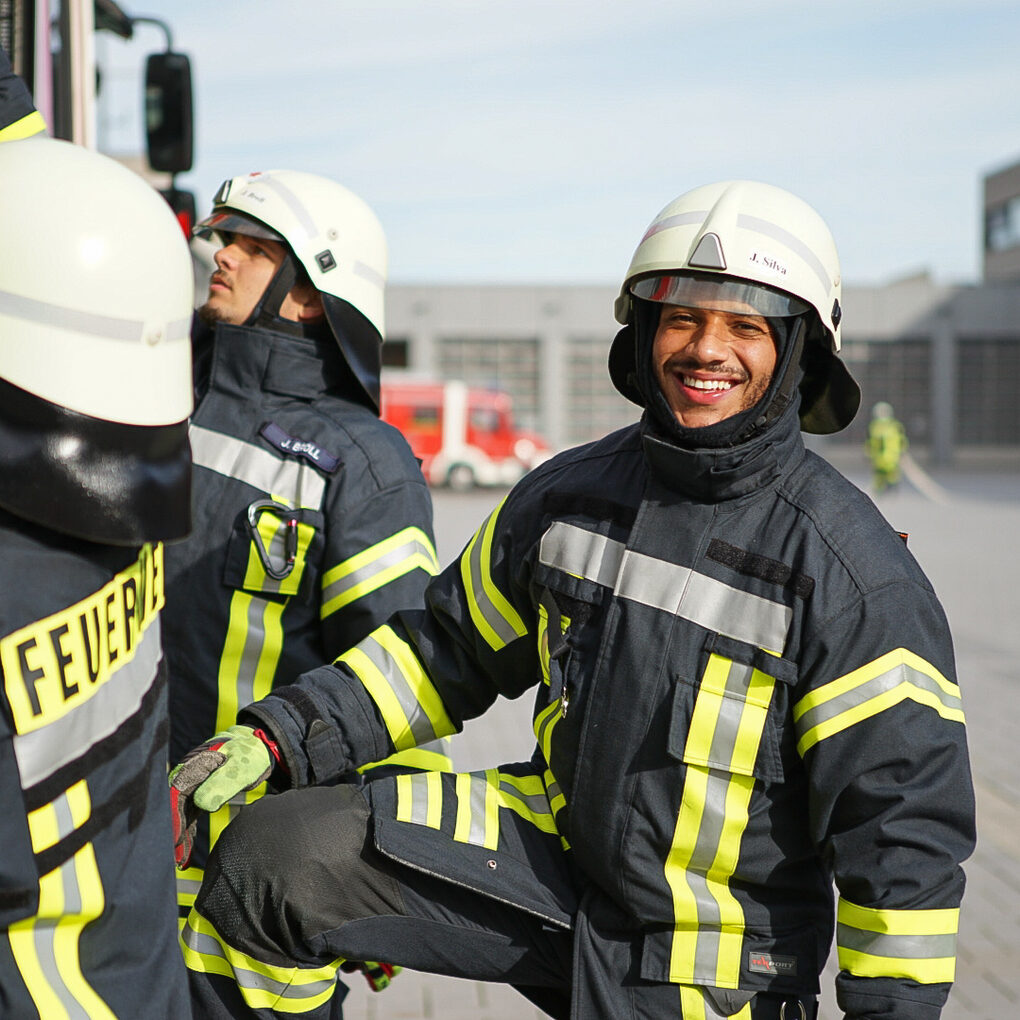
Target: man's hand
{"points": [[235, 760]]}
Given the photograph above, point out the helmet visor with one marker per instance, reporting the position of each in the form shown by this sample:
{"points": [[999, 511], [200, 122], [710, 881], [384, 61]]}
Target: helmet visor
{"points": [[221, 223], [719, 293]]}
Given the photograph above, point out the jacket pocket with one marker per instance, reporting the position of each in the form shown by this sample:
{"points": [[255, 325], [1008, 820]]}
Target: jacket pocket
{"points": [[271, 547], [733, 718]]}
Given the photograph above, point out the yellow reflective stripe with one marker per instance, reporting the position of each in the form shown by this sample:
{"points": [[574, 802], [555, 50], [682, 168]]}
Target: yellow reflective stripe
{"points": [[695, 1005], [916, 944], [46, 947], [409, 703], [251, 653], [428, 759], [729, 716], [526, 796], [420, 798], [543, 643], [897, 676], [377, 566], [709, 922], [477, 808], [261, 985], [491, 612], [31, 124]]}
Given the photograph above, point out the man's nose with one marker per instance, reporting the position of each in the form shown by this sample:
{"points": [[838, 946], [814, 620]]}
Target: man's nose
{"points": [[226, 257], [708, 343]]}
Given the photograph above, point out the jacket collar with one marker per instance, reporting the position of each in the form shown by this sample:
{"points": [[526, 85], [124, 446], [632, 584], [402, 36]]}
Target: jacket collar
{"points": [[713, 476], [245, 360]]}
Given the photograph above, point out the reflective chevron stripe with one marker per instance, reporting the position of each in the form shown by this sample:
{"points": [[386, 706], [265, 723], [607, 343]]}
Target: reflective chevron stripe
{"points": [[376, 566], [897, 676]]}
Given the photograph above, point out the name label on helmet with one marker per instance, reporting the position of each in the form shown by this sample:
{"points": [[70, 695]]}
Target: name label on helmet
{"points": [[765, 261], [303, 448]]}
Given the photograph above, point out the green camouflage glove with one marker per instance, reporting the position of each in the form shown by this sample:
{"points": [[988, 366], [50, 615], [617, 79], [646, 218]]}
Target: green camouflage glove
{"points": [[235, 760]]}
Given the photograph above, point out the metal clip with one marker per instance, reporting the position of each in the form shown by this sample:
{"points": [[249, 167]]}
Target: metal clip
{"points": [[800, 1006], [290, 538]]}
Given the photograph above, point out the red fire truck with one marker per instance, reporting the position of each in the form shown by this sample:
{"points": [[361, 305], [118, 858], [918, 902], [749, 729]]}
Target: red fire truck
{"points": [[463, 435]]}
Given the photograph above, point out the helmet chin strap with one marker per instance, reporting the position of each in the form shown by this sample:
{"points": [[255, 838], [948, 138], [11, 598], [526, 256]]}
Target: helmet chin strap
{"points": [[266, 313]]}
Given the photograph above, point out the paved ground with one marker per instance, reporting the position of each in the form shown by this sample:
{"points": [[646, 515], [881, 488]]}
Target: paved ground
{"points": [[964, 528]]}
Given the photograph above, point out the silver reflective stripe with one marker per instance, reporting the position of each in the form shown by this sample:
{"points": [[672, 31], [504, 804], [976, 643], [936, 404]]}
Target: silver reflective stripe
{"points": [[44, 936], [244, 977], [296, 482], [666, 586], [479, 786], [731, 711], [188, 886], [107, 326], [706, 849], [898, 947], [419, 798], [293, 203], [795, 244], [856, 696], [679, 220], [254, 637], [41, 752], [277, 553], [417, 719], [537, 803], [366, 272], [582, 553], [390, 558]]}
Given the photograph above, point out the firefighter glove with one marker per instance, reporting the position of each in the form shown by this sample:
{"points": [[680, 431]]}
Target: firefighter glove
{"points": [[233, 761]]}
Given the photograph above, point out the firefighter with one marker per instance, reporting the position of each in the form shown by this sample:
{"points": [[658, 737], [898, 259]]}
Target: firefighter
{"points": [[744, 693], [886, 444], [95, 392], [313, 523], [18, 116]]}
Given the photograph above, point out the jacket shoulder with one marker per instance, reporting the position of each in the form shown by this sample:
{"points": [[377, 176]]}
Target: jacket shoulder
{"points": [[846, 520]]}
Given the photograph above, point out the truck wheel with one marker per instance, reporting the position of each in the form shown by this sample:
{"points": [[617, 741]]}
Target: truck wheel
{"points": [[460, 478]]}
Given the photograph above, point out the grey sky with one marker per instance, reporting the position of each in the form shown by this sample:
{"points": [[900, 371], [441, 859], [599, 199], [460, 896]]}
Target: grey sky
{"points": [[534, 141]]}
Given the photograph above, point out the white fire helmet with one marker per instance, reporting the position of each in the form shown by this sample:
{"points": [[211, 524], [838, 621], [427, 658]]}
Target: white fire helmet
{"points": [[758, 244], [96, 296], [337, 239]]}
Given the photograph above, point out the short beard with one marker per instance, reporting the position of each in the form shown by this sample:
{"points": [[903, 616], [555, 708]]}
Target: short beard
{"points": [[210, 315]]}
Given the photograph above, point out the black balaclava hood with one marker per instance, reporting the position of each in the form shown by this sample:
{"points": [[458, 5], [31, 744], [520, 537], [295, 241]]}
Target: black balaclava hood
{"points": [[781, 393]]}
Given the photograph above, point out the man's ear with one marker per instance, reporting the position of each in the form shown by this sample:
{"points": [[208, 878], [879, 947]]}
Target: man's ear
{"points": [[303, 303]]}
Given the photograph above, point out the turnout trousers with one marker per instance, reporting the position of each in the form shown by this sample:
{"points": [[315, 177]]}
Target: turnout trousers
{"points": [[296, 885]]}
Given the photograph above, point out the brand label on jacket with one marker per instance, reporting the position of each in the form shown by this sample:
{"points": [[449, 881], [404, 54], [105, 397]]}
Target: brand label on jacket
{"points": [[304, 448], [770, 963], [56, 664]]}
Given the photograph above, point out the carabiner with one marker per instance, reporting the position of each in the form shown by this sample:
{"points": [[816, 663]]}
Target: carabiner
{"points": [[290, 538], [800, 1006]]}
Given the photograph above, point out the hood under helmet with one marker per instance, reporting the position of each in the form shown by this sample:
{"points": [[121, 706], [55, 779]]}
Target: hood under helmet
{"points": [[334, 239], [764, 249]]}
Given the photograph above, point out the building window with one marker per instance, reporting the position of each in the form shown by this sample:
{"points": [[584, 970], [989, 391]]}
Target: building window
{"points": [[1002, 226], [395, 353]]}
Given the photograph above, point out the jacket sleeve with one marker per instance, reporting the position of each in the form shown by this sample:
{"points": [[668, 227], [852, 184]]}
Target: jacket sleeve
{"points": [[379, 556], [18, 115], [880, 728], [422, 674]]}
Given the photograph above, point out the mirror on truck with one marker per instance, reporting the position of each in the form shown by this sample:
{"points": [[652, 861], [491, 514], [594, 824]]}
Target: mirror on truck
{"points": [[168, 112]]}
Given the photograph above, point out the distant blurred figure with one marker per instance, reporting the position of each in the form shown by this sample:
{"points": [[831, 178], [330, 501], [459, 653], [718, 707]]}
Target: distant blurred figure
{"points": [[886, 444]]}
